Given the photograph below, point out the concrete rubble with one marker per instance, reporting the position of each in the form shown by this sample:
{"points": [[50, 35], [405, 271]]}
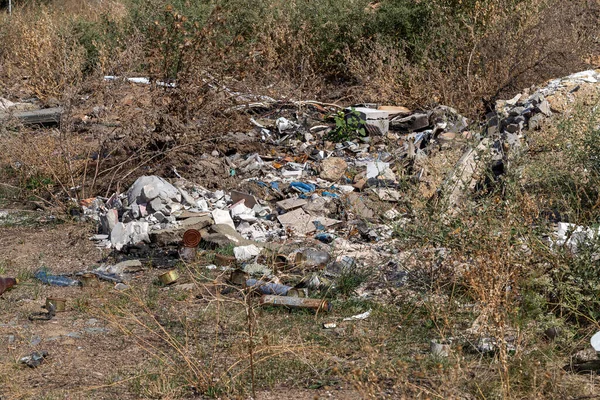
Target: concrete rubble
{"points": [[346, 196]]}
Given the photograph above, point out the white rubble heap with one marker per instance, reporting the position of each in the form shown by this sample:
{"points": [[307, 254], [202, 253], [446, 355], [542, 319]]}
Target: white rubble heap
{"points": [[153, 204]]}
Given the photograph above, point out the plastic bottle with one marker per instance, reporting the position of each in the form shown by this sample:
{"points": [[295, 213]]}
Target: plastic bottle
{"points": [[268, 287], [55, 280], [312, 258], [7, 283]]}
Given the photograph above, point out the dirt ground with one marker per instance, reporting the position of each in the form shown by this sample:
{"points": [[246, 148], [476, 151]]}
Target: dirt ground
{"points": [[88, 357]]}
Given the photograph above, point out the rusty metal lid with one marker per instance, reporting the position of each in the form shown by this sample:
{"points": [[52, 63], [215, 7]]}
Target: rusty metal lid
{"points": [[191, 238]]}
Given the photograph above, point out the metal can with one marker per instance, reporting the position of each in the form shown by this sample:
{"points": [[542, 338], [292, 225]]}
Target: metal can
{"points": [[191, 238], [169, 277], [296, 292], [57, 303], [238, 277], [89, 280]]}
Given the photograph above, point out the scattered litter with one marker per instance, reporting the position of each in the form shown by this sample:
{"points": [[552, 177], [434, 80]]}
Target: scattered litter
{"points": [[34, 359], [295, 302], [595, 341], [364, 315], [245, 253], [439, 348]]}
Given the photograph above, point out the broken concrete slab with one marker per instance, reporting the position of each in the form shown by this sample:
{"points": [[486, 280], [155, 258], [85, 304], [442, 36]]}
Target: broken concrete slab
{"points": [[464, 176], [45, 116], [222, 235], [197, 222], [357, 206], [130, 233], [298, 221], [290, 204], [376, 121], [375, 169]]}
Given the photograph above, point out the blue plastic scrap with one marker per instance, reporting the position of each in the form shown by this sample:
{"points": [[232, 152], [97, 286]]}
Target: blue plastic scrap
{"points": [[325, 237], [303, 187]]}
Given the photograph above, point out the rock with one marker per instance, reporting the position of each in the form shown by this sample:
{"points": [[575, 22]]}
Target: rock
{"points": [[513, 101], [222, 217], [166, 237], [536, 98], [387, 194], [109, 220], [127, 266], [446, 136], [147, 188], [121, 287], [160, 217], [333, 168], [186, 197], [185, 286], [544, 108], [360, 184], [535, 122], [159, 205]]}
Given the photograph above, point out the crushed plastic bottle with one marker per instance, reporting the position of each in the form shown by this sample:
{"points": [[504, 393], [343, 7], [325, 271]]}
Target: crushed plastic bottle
{"points": [[55, 280], [268, 287], [312, 258]]}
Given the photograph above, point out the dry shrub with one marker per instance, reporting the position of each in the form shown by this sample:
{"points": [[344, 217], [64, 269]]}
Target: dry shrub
{"points": [[481, 52], [38, 51], [45, 164]]}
